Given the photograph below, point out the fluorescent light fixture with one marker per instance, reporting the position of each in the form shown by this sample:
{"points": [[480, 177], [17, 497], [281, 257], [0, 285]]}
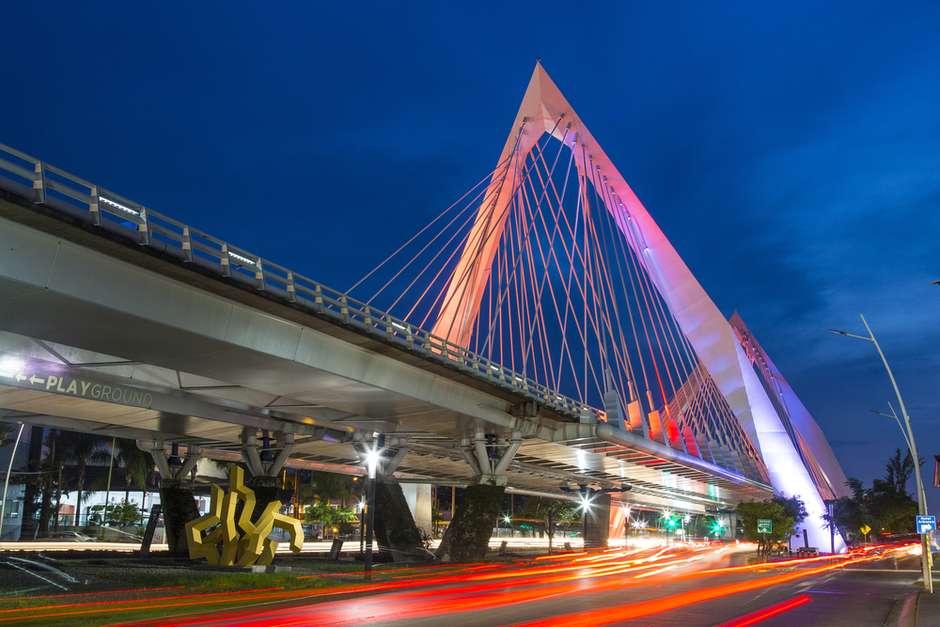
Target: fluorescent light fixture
{"points": [[119, 206], [10, 366], [241, 258]]}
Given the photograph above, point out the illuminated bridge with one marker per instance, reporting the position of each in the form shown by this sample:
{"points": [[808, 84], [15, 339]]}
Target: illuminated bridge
{"points": [[540, 332]]}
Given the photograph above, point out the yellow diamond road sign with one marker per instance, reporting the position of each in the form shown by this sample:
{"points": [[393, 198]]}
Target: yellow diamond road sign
{"points": [[864, 529]]}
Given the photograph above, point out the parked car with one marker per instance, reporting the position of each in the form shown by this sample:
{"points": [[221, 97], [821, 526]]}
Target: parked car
{"points": [[807, 551]]}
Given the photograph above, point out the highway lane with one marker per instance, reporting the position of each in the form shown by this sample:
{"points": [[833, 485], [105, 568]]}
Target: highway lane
{"points": [[687, 585]]}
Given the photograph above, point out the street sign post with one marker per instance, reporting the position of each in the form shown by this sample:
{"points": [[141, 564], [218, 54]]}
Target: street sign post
{"points": [[765, 525], [926, 524]]}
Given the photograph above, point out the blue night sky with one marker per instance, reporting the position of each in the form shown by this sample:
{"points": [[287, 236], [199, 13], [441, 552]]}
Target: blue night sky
{"points": [[791, 155]]}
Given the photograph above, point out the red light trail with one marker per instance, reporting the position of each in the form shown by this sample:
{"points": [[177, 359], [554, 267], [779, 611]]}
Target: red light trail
{"points": [[768, 612], [442, 589]]}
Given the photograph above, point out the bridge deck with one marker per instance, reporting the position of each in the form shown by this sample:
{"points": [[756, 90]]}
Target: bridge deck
{"points": [[246, 323]]}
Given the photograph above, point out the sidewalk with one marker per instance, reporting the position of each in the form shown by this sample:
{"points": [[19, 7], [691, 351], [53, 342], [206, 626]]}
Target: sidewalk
{"points": [[927, 610]]}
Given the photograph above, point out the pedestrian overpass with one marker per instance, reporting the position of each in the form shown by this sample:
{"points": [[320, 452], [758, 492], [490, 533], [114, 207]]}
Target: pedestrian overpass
{"points": [[118, 319]]}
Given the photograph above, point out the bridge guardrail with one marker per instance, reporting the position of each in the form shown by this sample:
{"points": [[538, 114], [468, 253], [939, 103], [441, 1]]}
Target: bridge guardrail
{"points": [[62, 191]]}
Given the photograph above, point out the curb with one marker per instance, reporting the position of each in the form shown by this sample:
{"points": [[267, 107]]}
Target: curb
{"points": [[904, 611]]}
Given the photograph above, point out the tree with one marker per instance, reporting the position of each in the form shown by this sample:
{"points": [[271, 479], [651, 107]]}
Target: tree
{"points": [[551, 512], [326, 515], [328, 486], [784, 514], [137, 465], [124, 513], [81, 449], [886, 506], [898, 471]]}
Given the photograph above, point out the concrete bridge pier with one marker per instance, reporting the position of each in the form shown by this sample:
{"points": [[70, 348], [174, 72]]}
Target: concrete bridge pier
{"points": [[265, 460], [176, 491], [597, 521], [395, 529], [468, 536]]}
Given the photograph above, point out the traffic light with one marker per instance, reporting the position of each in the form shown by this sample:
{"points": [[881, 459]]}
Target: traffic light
{"points": [[717, 527]]}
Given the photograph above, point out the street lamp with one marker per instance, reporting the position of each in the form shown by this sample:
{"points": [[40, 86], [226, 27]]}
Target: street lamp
{"points": [[506, 518], [372, 457], [912, 445], [361, 510], [585, 507], [586, 496]]}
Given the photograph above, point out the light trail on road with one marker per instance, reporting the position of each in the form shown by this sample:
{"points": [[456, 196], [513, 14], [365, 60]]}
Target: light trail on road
{"points": [[434, 591], [513, 585]]}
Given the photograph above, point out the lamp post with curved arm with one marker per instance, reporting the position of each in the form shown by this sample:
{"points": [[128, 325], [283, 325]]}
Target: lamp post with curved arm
{"points": [[912, 444]]}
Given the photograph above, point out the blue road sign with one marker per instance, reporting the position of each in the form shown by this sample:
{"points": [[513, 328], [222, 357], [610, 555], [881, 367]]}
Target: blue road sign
{"points": [[926, 524]]}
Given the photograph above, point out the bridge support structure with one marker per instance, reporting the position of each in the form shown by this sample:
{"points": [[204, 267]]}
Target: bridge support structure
{"points": [[758, 430], [264, 463], [468, 536], [395, 528], [176, 492], [597, 521]]}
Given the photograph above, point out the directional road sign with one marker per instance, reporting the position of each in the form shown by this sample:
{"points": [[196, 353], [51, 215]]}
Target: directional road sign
{"points": [[765, 525], [926, 524]]}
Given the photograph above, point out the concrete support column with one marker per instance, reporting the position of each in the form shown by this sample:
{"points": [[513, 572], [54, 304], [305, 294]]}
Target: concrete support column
{"points": [[617, 527], [176, 491], [596, 527], [395, 530], [468, 535], [418, 497]]}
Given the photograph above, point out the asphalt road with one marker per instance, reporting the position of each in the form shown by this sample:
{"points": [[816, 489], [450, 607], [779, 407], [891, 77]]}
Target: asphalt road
{"points": [[676, 586]]}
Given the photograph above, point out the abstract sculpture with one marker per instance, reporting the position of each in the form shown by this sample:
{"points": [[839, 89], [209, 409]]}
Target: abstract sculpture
{"points": [[246, 543]]}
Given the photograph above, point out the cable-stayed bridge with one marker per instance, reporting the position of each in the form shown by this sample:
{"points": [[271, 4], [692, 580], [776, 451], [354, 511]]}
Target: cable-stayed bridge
{"points": [[539, 332]]}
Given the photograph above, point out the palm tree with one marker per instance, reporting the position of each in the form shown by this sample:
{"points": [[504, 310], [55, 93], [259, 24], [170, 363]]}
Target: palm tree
{"points": [[80, 449], [137, 467], [898, 471]]}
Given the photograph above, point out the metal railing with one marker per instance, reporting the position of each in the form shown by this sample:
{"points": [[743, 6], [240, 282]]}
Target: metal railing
{"points": [[61, 191]]}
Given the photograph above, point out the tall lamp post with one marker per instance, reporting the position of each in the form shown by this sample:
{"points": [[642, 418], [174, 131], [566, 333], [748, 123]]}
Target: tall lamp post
{"points": [[912, 444], [372, 462]]}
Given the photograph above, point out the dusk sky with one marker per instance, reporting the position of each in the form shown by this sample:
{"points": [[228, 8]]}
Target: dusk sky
{"points": [[792, 155]]}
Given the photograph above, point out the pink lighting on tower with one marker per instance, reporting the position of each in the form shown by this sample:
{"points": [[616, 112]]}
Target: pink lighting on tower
{"points": [[544, 109]]}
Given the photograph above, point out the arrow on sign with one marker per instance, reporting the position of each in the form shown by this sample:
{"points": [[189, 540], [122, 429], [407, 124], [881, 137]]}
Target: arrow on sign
{"points": [[864, 529], [21, 377], [34, 380]]}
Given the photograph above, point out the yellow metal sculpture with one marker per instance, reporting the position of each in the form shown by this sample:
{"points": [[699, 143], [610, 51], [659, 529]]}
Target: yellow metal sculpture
{"points": [[242, 543]]}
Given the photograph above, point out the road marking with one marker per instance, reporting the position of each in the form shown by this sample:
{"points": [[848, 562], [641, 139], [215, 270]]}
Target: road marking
{"points": [[879, 570]]}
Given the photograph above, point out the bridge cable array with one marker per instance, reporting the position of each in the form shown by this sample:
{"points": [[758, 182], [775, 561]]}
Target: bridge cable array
{"points": [[540, 267]]}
